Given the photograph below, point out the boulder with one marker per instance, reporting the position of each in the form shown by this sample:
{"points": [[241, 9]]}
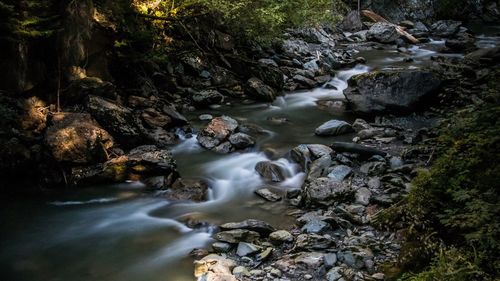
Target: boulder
{"points": [[207, 97], [333, 128], [258, 226], [270, 171], [383, 33], [116, 119], [217, 131], [326, 191], [255, 88], [390, 91], [237, 235], [352, 22], [214, 268], [77, 138], [280, 237], [446, 28], [339, 172], [192, 190], [241, 140]]}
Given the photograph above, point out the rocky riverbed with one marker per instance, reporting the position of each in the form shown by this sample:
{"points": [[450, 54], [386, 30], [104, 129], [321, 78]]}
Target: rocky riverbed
{"points": [[270, 168]]}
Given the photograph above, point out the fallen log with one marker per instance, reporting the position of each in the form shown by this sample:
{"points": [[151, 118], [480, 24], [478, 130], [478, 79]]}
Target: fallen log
{"points": [[401, 30], [356, 148]]}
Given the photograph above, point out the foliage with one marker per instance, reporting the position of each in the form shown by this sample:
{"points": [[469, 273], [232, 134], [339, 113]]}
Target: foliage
{"points": [[457, 202]]}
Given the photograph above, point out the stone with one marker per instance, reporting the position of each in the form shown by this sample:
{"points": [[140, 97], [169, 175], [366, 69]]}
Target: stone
{"points": [[275, 272], [319, 150], [360, 124], [177, 119], [301, 155], [207, 97], [374, 183], [304, 81], [325, 191], [241, 271], [352, 22], [219, 129], [116, 119], [77, 138], [185, 189], [373, 168], [255, 88], [314, 242], [281, 236], [224, 148], [390, 91], [154, 118], [314, 226], [241, 140], [214, 268], [339, 172], [363, 196], [319, 167], [268, 62], [270, 171], [264, 255], [446, 28], [356, 148], [205, 117], [383, 33], [330, 260], [237, 235], [221, 247], [335, 274], [311, 260], [333, 128], [268, 195], [396, 162], [245, 249], [258, 226]]}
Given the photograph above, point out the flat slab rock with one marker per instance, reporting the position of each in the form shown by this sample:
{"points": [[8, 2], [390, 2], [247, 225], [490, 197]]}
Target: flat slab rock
{"points": [[258, 226]]}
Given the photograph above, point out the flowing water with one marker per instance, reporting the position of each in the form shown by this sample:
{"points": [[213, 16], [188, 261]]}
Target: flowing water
{"points": [[124, 232]]}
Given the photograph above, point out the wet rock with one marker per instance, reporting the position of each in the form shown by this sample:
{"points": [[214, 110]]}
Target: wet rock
{"points": [[356, 148], [116, 119], [304, 81], [245, 249], [390, 91], [257, 89], [281, 236], [141, 163], [446, 28], [310, 260], [319, 167], [268, 195], [205, 117], [258, 226], [217, 131], [335, 274], [221, 247], [268, 62], [237, 235], [325, 191], [352, 22], [363, 196], [241, 140], [154, 118], [183, 189], [176, 118], [360, 124], [383, 33], [314, 242], [77, 138], [339, 172], [333, 128], [214, 268], [301, 155], [207, 97], [315, 226], [319, 150], [224, 148], [270, 171], [330, 260]]}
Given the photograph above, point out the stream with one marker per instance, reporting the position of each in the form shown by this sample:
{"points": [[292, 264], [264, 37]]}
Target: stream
{"points": [[124, 232]]}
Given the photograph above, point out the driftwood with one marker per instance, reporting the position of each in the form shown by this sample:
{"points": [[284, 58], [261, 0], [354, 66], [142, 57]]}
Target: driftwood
{"points": [[401, 30]]}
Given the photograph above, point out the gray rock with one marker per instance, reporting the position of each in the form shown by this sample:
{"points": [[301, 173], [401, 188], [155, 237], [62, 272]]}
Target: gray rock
{"points": [[360, 124], [241, 271], [325, 191], [304, 81], [319, 167], [205, 117], [373, 168], [281, 236], [258, 226], [268, 194], [245, 249], [330, 260], [339, 172], [217, 131], [396, 162], [269, 62], [446, 28], [390, 91], [352, 22], [363, 196], [301, 155], [335, 274], [383, 33], [237, 235], [374, 183], [224, 148], [221, 247], [315, 226], [270, 171], [311, 260], [333, 128], [257, 89], [207, 97], [314, 242], [356, 148], [319, 150], [241, 140]]}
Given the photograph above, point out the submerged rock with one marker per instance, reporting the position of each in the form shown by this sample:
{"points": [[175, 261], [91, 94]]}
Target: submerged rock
{"points": [[268, 195], [390, 91]]}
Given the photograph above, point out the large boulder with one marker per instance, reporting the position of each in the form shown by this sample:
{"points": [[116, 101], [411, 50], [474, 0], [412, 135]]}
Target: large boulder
{"points": [[390, 91], [218, 130], [77, 138], [383, 33], [115, 118], [446, 28], [255, 88]]}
